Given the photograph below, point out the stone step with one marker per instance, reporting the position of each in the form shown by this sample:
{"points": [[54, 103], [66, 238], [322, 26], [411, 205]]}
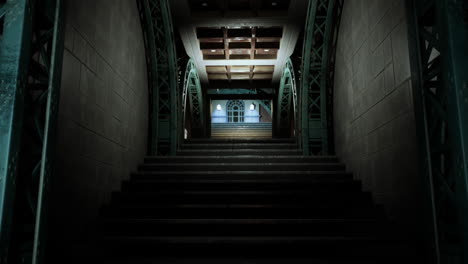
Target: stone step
{"points": [[236, 227], [251, 166], [242, 175], [334, 247], [232, 211], [322, 198], [234, 146], [237, 141], [241, 159], [242, 185], [233, 152]]}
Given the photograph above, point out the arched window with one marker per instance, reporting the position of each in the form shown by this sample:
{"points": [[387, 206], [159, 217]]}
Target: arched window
{"points": [[235, 111]]}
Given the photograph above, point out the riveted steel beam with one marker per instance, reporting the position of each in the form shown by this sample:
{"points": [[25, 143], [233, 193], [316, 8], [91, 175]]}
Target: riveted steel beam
{"points": [[287, 101], [193, 90], [266, 105], [15, 43], [31, 65], [314, 81], [439, 31], [162, 74]]}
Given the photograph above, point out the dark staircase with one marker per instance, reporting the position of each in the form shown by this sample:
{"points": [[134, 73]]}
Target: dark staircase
{"points": [[250, 201]]}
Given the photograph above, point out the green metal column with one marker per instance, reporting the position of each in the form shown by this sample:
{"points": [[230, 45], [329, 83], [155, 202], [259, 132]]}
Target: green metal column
{"points": [[287, 101], [48, 49], [315, 69], [30, 71], [439, 61], [15, 41], [192, 88], [162, 70]]}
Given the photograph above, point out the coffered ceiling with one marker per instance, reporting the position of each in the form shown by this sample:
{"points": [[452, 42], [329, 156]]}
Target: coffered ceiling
{"points": [[236, 41]]}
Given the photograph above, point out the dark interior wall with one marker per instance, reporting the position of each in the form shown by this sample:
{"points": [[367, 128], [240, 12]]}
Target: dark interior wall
{"points": [[375, 132], [103, 114]]}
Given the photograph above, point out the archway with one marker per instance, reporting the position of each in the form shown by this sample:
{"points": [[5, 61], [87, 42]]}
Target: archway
{"points": [[192, 94], [287, 102]]}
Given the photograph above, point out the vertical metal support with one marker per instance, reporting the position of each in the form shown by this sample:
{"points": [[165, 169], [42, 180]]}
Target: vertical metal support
{"points": [[441, 94], [315, 69], [53, 63], [266, 105], [15, 40], [287, 100], [192, 88], [151, 64], [162, 74], [30, 70]]}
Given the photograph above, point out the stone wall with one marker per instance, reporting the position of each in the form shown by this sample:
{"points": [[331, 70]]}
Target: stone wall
{"points": [[375, 132], [103, 114]]}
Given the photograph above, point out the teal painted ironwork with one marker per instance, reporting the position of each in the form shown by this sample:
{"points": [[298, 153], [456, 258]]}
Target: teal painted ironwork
{"points": [[315, 69], [48, 51], [162, 74], [266, 105], [192, 88], [287, 100], [31, 56], [151, 64], [440, 30], [15, 42], [337, 12]]}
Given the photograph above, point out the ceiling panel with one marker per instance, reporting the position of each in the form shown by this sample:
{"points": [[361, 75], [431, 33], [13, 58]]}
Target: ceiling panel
{"points": [[240, 72], [231, 33], [263, 76], [240, 43], [217, 76], [216, 69], [240, 76], [230, 8], [263, 68]]}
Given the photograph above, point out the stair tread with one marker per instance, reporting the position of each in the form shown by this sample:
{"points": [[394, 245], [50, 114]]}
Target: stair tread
{"points": [[237, 221], [242, 156], [230, 206], [230, 192], [252, 145], [286, 173], [233, 196], [245, 163], [243, 239], [208, 181]]}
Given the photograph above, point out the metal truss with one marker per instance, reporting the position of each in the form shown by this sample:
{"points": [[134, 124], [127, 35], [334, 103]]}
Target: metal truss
{"points": [[31, 52], [266, 105], [440, 38], [287, 100], [316, 67], [192, 89], [162, 75]]}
